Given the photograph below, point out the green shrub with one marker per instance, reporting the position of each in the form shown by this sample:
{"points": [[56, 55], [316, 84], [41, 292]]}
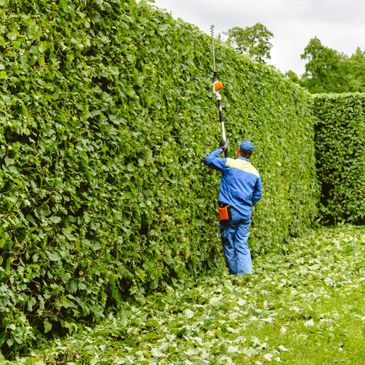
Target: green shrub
{"points": [[340, 156], [106, 114]]}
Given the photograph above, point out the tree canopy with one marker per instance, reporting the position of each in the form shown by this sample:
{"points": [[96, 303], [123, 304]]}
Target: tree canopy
{"points": [[328, 70], [253, 41]]}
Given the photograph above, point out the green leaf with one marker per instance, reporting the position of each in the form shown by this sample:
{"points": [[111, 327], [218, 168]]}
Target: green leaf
{"points": [[53, 256], [47, 326]]}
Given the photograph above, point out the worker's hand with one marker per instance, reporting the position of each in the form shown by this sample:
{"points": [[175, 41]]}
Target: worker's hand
{"points": [[223, 145]]}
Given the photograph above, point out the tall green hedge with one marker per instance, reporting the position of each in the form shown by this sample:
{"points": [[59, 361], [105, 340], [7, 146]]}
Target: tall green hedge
{"points": [[106, 114], [340, 156]]}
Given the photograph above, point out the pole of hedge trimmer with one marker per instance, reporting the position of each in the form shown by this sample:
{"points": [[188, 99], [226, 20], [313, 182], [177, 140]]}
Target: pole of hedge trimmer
{"points": [[216, 87]]}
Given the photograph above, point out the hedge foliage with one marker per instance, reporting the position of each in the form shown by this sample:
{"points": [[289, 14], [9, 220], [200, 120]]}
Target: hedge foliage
{"points": [[340, 156], [106, 115]]}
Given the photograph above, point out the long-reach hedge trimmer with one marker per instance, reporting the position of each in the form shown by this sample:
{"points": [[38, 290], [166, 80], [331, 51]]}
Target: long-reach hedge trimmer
{"points": [[217, 86]]}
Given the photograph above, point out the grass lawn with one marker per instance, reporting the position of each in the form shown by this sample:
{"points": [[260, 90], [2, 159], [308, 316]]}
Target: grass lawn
{"points": [[306, 306]]}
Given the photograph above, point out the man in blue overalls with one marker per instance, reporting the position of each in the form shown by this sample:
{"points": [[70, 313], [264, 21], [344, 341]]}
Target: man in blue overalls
{"points": [[240, 190]]}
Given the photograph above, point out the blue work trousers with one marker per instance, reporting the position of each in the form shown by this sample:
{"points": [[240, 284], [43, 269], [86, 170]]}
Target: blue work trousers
{"points": [[235, 235]]}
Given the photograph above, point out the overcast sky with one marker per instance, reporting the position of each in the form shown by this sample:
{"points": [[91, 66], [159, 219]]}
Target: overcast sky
{"points": [[339, 24]]}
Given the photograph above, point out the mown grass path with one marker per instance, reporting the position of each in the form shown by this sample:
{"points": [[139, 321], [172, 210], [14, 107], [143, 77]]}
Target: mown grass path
{"points": [[306, 306]]}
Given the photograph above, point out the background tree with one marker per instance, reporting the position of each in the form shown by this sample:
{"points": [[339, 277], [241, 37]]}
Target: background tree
{"points": [[253, 41], [323, 70], [354, 69], [328, 70]]}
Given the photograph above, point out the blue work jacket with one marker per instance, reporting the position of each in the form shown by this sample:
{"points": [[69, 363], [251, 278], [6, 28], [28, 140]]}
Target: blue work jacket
{"points": [[241, 185]]}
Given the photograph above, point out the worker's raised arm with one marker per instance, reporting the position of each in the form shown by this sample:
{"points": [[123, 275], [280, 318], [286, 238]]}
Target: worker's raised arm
{"points": [[213, 160]]}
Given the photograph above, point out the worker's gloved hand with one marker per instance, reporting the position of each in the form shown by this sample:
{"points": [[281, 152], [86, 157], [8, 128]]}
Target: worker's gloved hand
{"points": [[223, 145]]}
